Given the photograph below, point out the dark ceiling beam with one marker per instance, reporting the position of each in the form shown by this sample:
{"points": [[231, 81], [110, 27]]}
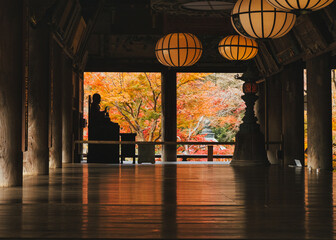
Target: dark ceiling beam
{"points": [[123, 47], [81, 58], [148, 65]]}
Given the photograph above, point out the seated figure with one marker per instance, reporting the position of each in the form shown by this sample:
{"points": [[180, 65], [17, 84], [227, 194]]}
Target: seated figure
{"points": [[97, 118], [101, 128]]}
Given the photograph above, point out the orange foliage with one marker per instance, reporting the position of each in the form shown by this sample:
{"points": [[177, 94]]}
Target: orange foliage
{"points": [[134, 102], [333, 87]]}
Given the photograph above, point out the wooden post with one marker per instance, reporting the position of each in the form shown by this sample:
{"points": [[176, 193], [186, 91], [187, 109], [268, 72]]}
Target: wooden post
{"points": [[168, 94], [319, 112], [36, 159], [67, 114], [11, 65], [78, 117], [274, 117], [292, 113], [210, 153], [55, 160]]}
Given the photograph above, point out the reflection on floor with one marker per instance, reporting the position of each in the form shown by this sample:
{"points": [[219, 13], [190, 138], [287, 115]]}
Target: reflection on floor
{"points": [[170, 201]]}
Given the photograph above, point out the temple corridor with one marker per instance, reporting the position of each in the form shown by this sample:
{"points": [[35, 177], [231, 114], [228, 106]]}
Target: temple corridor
{"points": [[170, 200]]}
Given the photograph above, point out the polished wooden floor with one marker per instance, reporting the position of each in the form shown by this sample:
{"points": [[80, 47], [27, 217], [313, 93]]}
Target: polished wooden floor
{"points": [[171, 201]]}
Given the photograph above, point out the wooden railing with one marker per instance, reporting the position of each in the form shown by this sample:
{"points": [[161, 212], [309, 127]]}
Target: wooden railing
{"points": [[210, 156]]}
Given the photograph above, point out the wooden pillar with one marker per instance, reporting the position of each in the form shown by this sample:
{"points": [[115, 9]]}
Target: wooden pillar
{"points": [[274, 118], [67, 119], [55, 151], [11, 77], [36, 159], [78, 116], [319, 112], [210, 153], [293, 113], [168, 95]]}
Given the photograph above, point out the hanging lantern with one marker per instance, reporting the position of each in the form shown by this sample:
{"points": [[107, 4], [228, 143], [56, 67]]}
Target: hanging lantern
{"points": [[236, 47], [258, 19], [250, 87], [299, 5], [178, 50]]}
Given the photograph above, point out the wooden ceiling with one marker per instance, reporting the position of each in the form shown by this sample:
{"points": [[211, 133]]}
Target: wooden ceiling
{"points": [[120, 35], [126, 32]]}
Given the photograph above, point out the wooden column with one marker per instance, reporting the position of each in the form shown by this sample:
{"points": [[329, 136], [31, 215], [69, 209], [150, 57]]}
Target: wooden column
{"points": [[11, 77], [292, 113], [78, 116], [36, 159], [55, 151], [319, 112], [168, 95], [67, 119], [274, 118]]}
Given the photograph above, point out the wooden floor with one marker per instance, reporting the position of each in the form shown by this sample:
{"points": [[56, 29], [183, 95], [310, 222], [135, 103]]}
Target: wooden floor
{"points": [[170, 201]]}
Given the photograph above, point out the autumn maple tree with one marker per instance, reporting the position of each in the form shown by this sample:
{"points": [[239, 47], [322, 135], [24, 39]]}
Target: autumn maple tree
{"points": [[134, 101], [207, 98]]}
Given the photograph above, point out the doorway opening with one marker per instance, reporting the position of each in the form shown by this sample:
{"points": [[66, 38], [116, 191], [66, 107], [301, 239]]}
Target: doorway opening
{"points": [[209, 108]]}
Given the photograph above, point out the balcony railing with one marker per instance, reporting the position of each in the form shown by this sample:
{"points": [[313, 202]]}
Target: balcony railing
{"points": [[210, 156]]}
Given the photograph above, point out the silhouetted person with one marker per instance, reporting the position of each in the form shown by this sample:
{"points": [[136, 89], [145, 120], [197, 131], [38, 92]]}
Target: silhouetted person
{"points": [[101, 128], [97, 117]]}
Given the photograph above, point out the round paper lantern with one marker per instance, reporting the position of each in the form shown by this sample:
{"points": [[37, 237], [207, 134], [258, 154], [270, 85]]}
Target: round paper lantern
{"points": [[178, 49], [299, 5], [259, 19], [250, 87], [236, 47]]}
